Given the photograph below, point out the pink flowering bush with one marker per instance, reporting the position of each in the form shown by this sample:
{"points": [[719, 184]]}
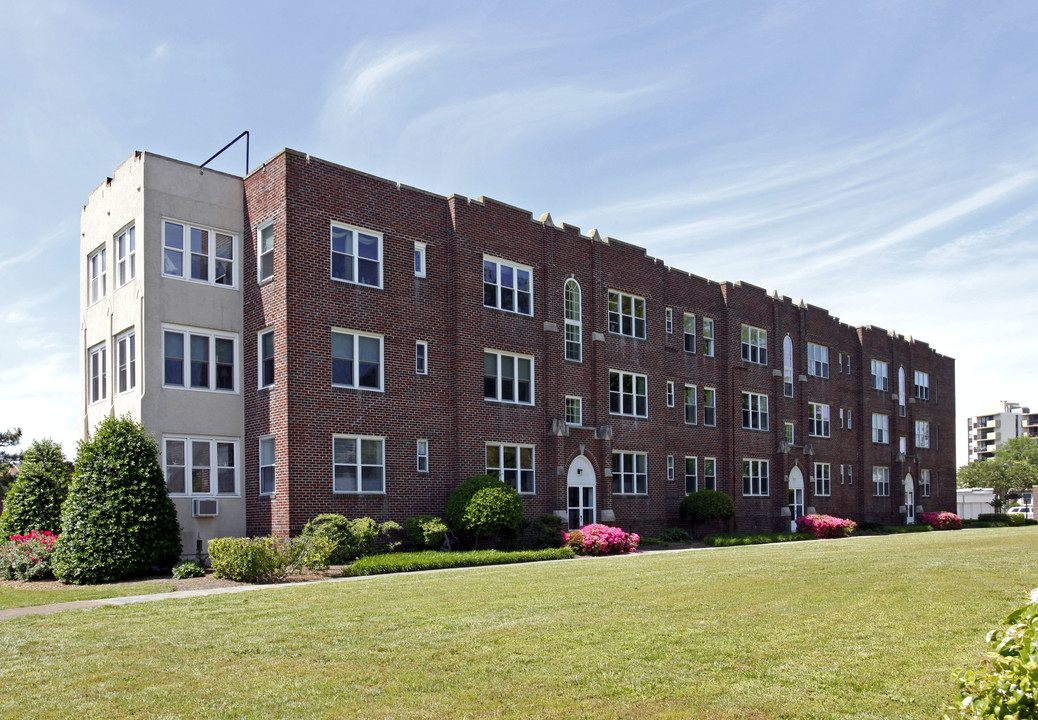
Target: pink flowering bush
{"points": [[941, 520], [825, 526], [27, 557], [595, 539]]}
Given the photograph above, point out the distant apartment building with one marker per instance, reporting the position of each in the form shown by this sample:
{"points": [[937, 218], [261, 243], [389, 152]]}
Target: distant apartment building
{"points": [[996, 424]]}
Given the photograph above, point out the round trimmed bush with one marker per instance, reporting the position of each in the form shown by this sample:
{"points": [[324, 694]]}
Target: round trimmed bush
{"points": [[704, 505], [493, 510], [34, 501], [426, 532], [461, 495]]}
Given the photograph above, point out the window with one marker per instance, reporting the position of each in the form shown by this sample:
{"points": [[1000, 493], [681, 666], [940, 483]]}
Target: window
{"points": [[629, 474], [265, 252], [823, 479], [670, 468], [626, 314], [267, 481], [197, 253], [817, 360], [710, 473], [710, 407], [421, 356], [573, 320], [708, 337], [848, 358], [670, 393], [818, 420], [201, 466], [125, 256], [507, 378], [841, 419], [356, 255], [881, 481], [754, 411], [126, 362], [850, 474], [880, 375], [97, 269], [690, 333], [754, 345], [422, 456], [512, 465], [358, 464], [787, 367], [755, 477], [507, 286], [668, 320], [419, 259], [850, 424], [924, 483], [901, 391], [789, 433], [691, 474], [922, 385], [627, 395], [922, 434], [266, 358], [98, 372], [199, 359], [880, 428], [356, 360], [574, 410], [691, 411]]}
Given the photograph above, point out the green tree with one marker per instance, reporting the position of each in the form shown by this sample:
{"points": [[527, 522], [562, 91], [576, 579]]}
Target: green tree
{"points": [[704, 505], [34, 501], [8, 438], [118, 520], [1019, 450], [1014, 466]]}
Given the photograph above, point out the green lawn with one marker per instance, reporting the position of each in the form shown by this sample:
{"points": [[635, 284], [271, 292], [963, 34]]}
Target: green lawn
{"points": [[11, 597], [859, 628]]}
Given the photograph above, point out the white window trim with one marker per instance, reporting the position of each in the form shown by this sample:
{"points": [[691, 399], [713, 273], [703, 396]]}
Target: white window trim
{"points": [[129, 337], [880, 481], [710, 479], [580, 410], [499, 379], [185, 255], [761, 412], [356, 361], [880, 428], [356, 255], [500, 469], [635, 299], [670, 468], [419, 253], [97, 272], [694, 475], [818, 420], [709, 392], [670, 393], [359, 465], [126, 265], [823, 477], [577, 324], [689, 338], [668, 320], [260, 359], [759, 481], [880, 375], [213, 336], [100, 377], [497, 283], [922, 439], [421, 352], [921, 390], [708, 337], [694, 405], [817, 360], [274, 465], [620, 460], [214, 478], [755, 344], [421, 451], [634, 383], [268, 225], [925, 483]]}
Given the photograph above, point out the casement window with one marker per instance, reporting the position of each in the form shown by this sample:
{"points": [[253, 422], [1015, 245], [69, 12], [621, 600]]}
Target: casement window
{"points": [[356, 255], [199, 359], [690, 332], [421, 357], [507, 286], [754, 411], [708, 337], [789, 433], [754, 478], [823, 479], [419, 259], [356, 360], [126, 362], [922, 434], [507, 378], [670, 468], [198, 253], [573, 324], [709, 473], [629, 473], [754, 345], [880, 428], [817, 420], [787, 367], [422, 456], [668, 320], [125, 256], [627, 394], [266, 358], [265, 252], [880, 375], [200, 465], [626, 314], [924, 483], [670, 393], [710, 407], [922, 385], [691, 474], [817, 360], [267, 476], [574, 410], [98, 372], [901, 391], [881, 482], [513, 465], [691, 409], [358, 464], [97, 271]]}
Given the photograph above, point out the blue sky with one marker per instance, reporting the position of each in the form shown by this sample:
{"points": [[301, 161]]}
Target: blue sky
{"points": [[877, 159]]}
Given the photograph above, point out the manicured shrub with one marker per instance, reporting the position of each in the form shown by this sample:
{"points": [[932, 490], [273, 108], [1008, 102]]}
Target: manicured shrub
{"points": [[596, 539], [352, 538], [736, 539], [460, 496], [34, 501], [703, 505], [432, 560], [426, 532], [941, 520], [188, 569], [118, 520], [27, 557], [825, 526], [268, 559], [906, 529], [675, 535], [492, 510], [545, 531], [1003, 518]]}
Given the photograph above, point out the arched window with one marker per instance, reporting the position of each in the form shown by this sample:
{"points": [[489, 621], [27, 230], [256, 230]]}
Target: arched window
{"points": [[572, 301], [901, 391], [787, 367]]}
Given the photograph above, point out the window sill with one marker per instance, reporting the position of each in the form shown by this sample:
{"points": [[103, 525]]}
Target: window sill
{"points": [[358, 492]]}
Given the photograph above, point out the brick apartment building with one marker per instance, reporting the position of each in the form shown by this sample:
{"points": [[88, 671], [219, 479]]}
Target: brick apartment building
{"points": [[315, 339]]}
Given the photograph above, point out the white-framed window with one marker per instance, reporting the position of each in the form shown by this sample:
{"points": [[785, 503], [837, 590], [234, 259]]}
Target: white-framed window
{"points": [[356, 255], [199, 359], [265, 351], [358, 464], [787, 367], [841, 419], [668, 320], [754, 344], [202, 254], [922, 385], [507, 286], [754, 411], [200, 465], [922, 434], [708, 337], [267, 464], [881, 481], [627, 394], [850, 420], [626, 314], [125, 256], [97, 272], [126, 362], [901, 391], [850, 474], [709, 473], [573, 324], [421, 357], [817, 420], [422, 455], [691, 405], [507, 377], [691, 474], [629, 474], [789, 433], [670, 393], [574, 410], [265, 251], [754, 477], [848, 359], [98, 359], [823, 478], [670, 468], [689, 325], [880, 428], [513, 465], [924, 483], [419, 259], [817, 360], [710, 407], [880, 375], [357, 360]]}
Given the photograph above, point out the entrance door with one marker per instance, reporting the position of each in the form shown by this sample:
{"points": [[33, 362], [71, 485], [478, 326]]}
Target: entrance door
{"points": [[909, 500], [580, 491], [796, 497]]}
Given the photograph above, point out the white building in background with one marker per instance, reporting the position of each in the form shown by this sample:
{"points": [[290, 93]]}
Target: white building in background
{"points": [[996, 424]]}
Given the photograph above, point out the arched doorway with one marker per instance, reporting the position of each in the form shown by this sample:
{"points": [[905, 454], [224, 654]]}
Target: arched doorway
{"points": [[796, 497], [909, 500], [580, 491]]}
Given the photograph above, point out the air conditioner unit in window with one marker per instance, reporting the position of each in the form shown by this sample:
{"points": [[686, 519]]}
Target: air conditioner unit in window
{"points": [[205, 507]]}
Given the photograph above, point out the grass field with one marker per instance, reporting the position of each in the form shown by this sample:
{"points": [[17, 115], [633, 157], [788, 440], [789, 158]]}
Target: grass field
{"points": [[11, 597], [859, 628]]}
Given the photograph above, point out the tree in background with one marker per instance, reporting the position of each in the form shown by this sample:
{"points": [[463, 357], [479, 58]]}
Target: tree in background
{"points": [[1014, 466], [8, 438], [34, 500]]}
